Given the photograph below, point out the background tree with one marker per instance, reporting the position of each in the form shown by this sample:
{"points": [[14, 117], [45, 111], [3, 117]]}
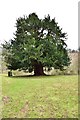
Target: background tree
{"points": [[79, 48], [37, 43]]}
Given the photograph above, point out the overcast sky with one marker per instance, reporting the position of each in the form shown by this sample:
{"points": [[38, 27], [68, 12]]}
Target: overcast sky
{"points": [[64, 11]]}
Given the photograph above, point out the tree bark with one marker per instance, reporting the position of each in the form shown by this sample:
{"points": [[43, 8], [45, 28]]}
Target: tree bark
{"points": [[9, 73], [38, 69]]}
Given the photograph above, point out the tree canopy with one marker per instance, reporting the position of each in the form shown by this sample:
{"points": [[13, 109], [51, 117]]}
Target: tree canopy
{"points": [[38, 43]]}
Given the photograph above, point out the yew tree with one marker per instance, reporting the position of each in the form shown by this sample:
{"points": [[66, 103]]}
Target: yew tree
{"points": [[38, 44]]}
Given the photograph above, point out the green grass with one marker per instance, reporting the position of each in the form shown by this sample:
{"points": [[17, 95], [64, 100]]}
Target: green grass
{"points": [[40, 97]]}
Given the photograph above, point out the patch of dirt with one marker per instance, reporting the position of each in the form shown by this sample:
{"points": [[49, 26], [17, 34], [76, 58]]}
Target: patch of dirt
{"points": [[24, 110], [6, 99], [25, 107]]}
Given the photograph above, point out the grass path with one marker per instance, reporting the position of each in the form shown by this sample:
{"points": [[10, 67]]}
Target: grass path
{"points": [[40, 97]]}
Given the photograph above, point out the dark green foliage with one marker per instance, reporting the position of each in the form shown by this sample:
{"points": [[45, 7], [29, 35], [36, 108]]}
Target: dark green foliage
{"points": [[37, 42]]}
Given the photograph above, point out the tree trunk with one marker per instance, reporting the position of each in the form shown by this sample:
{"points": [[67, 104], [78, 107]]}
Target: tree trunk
{"points": [[9, 73], [38, 69]]}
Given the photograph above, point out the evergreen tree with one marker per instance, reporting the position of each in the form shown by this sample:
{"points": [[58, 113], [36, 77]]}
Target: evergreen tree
{"points": [[38, 43]]}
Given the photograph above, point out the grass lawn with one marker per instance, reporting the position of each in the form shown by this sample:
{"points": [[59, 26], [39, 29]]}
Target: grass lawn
{"points": [[40, 97]]}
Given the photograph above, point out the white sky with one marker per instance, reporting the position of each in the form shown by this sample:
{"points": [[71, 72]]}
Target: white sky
{"points": [[64, 11]]}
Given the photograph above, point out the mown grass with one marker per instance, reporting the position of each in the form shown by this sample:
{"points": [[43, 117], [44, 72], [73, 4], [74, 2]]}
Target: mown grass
{"points": [[40, 97]]}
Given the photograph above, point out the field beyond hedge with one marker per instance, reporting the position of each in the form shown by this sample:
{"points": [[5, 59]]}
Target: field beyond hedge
{"points": [[40, 97]]}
